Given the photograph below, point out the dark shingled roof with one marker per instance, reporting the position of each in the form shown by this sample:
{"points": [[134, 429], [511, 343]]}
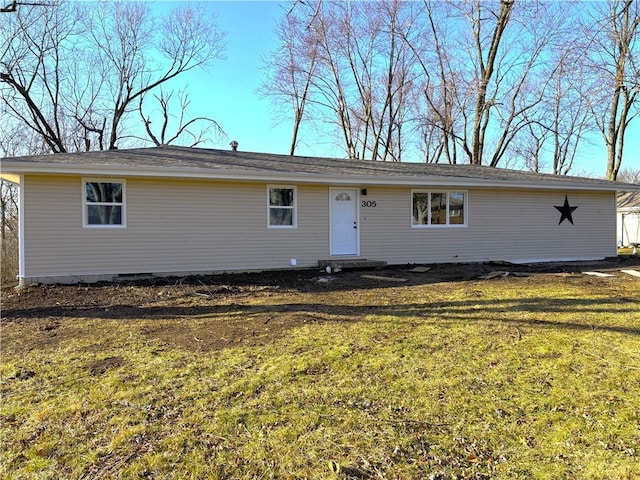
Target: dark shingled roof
{"points": [[211, 162]]}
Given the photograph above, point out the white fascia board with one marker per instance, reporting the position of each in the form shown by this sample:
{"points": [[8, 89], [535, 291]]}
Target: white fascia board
{"points": [[302, 178]]}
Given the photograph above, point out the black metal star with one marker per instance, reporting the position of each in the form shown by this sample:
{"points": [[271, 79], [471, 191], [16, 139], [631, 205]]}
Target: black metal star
{"points": [[565, 211]]}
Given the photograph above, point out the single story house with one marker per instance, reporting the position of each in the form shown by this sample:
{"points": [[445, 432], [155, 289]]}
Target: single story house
{"points": [[93, 216], [628, 219]]}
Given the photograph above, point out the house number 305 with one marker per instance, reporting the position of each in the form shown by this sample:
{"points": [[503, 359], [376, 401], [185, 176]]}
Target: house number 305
{"points": [[369, 203]]}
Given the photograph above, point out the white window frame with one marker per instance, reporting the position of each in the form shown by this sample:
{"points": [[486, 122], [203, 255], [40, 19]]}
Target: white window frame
{"points": [[85, 204], [440, 225], [294, 207]]}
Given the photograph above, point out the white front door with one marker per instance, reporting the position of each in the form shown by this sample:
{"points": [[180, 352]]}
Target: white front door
{"points": [[344, 221]]}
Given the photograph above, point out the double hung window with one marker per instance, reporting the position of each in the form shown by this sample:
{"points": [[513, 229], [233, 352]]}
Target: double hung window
{"points": [[104, 203], [281, 203]]}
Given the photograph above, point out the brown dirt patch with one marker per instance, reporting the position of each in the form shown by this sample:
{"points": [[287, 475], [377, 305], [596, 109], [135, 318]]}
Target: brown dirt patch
{"points": [[98, 367], [214, 312]]}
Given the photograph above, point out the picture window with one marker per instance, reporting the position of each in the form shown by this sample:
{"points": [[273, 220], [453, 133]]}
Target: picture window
{"points": [[438, 208]]}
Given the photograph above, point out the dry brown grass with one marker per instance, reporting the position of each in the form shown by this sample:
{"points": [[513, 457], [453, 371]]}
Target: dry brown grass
{"points": [[532, 377]]}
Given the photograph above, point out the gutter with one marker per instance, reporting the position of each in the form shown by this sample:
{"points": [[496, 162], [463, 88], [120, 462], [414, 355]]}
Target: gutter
{"points": [[9, 171]]}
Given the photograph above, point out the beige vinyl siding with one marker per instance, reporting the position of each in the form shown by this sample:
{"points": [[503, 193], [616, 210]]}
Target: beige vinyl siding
{"points": [[175, 226], [172, 226], [509, 225]]}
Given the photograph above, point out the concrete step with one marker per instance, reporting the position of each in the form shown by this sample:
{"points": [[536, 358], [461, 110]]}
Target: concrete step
{"points": [[351, 264]]}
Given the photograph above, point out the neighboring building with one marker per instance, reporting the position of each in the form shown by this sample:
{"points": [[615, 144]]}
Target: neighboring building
{"points": [[628, 219], [173, 210]]}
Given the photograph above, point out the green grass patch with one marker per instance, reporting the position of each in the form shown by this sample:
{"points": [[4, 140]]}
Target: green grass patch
{"points": [[513, 378]]}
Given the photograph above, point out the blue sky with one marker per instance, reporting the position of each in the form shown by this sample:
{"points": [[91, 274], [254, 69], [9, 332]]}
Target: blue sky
{"points": [[227, 92]]}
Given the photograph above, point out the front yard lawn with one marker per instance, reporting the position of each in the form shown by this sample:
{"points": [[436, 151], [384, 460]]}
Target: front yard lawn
{"points": [[517, 377]]}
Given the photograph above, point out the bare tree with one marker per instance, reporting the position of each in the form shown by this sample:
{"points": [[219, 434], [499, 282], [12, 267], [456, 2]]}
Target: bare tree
{"points": [[331, 80], [435, 108], [9, 236], [13, 5], [33, 73], [184, 127], [291, 68], [385, 102], [346, 61], [379, 75], [485, 65], [124, 36], [614, 55], [560, 123], [629, 176], [567, 113], [75, 72], [501, 83], [508, 45], [484, 76]]}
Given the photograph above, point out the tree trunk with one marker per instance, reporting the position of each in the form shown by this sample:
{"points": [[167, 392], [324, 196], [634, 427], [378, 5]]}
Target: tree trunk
{"points": [[486, 73]]}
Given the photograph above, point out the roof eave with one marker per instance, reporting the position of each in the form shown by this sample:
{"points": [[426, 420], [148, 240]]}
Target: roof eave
{"points": [[308, 178]]}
